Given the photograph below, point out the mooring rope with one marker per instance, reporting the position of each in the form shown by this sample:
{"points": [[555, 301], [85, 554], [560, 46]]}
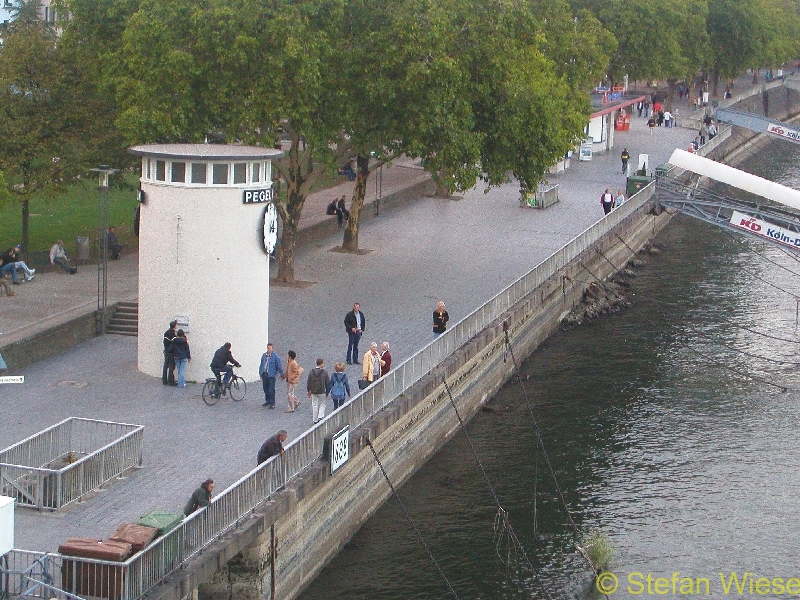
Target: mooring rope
{"points": [[548, 462], [503, 520], [411, 521]]}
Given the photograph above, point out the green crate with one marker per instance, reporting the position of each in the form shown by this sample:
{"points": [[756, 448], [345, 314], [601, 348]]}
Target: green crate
{"points": [[163, 521], [636, 183]]}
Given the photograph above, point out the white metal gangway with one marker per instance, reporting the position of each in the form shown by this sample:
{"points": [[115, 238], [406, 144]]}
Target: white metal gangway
{"points": [[771, 213]]}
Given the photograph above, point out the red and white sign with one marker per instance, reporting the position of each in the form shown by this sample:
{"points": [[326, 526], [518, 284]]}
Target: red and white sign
{"points": [[765, 229], [784, 132]]}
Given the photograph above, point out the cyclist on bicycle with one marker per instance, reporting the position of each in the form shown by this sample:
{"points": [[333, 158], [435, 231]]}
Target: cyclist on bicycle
{"points": [[221, 363]]}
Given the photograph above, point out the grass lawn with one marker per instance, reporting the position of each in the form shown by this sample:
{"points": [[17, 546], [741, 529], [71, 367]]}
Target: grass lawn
{"points": [[70, 215], [75, 214]]}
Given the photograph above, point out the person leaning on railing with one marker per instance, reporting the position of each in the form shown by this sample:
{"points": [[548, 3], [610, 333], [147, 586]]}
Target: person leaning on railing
{"points": [[200, 498]]}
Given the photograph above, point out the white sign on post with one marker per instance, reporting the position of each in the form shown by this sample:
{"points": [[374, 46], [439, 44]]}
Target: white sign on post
{"points": [[340, 449]]}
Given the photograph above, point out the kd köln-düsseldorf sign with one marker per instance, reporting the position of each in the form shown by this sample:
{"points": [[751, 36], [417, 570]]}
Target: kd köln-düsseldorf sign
{"points": [[765, 230]]}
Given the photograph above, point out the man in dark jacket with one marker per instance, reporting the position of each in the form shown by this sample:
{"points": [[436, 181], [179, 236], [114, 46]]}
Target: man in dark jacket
{"points": [[272, 447], [221, 363], [354, 323], [168, 372], [200, 498]]}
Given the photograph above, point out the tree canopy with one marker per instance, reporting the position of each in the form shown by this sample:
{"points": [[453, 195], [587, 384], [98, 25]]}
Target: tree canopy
{"points": [[55, 124]]}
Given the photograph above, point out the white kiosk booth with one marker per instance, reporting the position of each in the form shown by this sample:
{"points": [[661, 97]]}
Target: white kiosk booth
{"points": [[206, 226]]}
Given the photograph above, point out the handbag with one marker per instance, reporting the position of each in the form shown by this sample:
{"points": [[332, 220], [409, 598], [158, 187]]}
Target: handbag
{"points": [[363, 384]]}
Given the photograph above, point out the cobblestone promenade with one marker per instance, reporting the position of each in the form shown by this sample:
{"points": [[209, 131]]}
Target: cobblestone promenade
{"points": [[459, 251]]}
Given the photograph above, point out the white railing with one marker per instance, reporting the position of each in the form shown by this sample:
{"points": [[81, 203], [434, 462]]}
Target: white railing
{"points": [[64, 462], [234, 504]]}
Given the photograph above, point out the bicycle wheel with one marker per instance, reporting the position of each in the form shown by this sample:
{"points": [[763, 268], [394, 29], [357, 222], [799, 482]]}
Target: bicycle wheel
{"points": [[210, 392], [238, 389]]}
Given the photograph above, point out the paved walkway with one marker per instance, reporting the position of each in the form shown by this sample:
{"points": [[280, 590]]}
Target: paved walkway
{"points": [[459, 251]]}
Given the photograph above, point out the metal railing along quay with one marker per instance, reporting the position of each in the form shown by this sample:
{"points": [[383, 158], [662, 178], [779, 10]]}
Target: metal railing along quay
{"points": [[133, 578], [64, 462]]}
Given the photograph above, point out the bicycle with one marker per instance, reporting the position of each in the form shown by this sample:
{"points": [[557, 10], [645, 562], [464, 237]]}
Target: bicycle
{"points": [[213, 390]]}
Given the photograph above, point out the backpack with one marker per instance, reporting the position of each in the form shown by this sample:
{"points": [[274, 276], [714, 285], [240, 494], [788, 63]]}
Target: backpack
{"points": [[316, 383], [338, 390]]}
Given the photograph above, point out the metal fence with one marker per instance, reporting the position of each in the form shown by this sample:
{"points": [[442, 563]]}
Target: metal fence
{"points": [[68, 460], [132, 579]]}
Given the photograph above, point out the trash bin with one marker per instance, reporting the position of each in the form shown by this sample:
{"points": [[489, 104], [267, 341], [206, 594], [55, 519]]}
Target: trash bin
{"points": [[82, 248], [161, 520], [663, 170], [636, 183]]}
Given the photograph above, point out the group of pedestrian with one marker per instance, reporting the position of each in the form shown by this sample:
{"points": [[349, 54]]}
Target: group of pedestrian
{"points": [[320, 384], [609, 201], [338, 208], [176, 356], [10, 263]]}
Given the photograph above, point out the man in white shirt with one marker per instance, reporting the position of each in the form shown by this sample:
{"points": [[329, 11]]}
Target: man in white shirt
{"points": [[58, 256]]}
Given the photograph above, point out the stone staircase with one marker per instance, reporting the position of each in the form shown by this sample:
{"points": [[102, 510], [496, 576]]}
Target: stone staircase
{"points": [[125, 320]]}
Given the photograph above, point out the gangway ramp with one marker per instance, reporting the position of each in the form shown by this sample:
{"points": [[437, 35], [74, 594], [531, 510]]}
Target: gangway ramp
{"points": [[774, 216]]}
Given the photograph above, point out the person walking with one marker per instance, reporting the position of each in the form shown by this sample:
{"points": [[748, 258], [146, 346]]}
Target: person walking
{"points": [[168, 372], [386, 357], [619, 199], [372, 363], [181, 355], [440, 319], [58, 256], [268, 370], [293, 372], [272, 446], [607, 201], [625, 158], [339, 385], [354, 323], [317, 386], [201, 497]]}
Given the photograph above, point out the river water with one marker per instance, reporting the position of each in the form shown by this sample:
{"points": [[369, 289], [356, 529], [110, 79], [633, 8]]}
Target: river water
{"points": [[672, 426]]}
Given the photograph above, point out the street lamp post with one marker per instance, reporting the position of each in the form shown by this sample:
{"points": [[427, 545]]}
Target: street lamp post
{"points": [[103, 172]]}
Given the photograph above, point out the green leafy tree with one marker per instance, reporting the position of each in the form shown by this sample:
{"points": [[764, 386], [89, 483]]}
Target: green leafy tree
{"points": [[54, 126], [237, 70]]}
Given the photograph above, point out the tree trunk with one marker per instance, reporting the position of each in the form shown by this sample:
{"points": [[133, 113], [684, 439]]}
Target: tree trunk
{"points": [[716, 82], [290, 213], [26, 218], [286, 253], [350, 241], [755, 76]]}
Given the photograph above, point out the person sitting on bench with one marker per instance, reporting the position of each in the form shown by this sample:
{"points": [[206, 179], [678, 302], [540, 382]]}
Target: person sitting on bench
{"points": [[348, 170], [58, 256], [112, 243]]}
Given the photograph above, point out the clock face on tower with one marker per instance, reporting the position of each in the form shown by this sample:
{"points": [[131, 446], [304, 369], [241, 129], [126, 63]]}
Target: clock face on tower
{"points": [[270, 228]]}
